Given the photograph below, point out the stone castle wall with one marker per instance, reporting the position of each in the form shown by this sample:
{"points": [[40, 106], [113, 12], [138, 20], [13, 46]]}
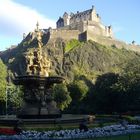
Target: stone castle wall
{"points": [[88, 35], [65, 34], [92, 26], [77, 26]]}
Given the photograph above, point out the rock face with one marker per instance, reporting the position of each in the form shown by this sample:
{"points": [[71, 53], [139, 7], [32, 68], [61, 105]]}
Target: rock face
{"points": [[70, 59]]}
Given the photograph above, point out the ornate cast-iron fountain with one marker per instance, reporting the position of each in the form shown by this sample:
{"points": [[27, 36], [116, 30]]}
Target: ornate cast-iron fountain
{"points": [[39, 108], [37, 85]]}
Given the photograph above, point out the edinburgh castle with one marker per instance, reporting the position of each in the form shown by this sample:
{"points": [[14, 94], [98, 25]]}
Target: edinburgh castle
{"points": [[84, 26], [88, 21]]}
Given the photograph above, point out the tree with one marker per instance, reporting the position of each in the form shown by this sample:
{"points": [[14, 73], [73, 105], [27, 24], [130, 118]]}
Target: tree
{"points": [[129, 84], [78, 91], [107, 99], [10, 95], [14, 98], [61, 96], [3, 75]]}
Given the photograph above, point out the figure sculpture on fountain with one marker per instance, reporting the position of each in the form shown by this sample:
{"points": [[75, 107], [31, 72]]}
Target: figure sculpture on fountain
{"points": [[37, 62]]}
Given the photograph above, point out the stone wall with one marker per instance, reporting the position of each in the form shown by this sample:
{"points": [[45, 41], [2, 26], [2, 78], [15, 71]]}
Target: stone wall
{"points": [[78, 26], [89, 35], [65, 34], [91, 26]]}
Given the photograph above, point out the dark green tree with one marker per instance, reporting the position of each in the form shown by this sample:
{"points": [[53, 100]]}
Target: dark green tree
{"points": [[107, 99], [14, 98], [78, 91], [61, 96], [129, 84]]}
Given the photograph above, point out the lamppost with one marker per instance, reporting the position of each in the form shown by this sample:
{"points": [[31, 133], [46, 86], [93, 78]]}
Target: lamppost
{"points": [[6, 93], [6, 101]]}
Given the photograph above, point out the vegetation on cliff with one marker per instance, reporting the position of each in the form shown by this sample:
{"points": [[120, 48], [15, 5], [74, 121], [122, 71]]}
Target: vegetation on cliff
{"points": [[98, 78], [72, 44]]}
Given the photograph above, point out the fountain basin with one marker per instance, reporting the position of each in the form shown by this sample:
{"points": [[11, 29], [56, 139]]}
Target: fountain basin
{"points": [[35, 79], [38, 98]]}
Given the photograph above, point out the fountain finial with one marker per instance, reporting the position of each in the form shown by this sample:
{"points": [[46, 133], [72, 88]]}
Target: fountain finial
{"points": [[37, 26], [38, 35]]}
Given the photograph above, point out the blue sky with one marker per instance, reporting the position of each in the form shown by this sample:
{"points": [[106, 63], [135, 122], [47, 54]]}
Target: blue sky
{"points": [[19, 16]]}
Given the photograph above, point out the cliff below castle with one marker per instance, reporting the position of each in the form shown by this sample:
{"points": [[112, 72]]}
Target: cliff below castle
{"points": [[71, 58]]}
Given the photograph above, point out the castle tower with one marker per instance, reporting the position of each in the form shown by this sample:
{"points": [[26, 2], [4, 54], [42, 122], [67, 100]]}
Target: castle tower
{"points": [[108, 31], [60, 23], [66, 18], [94, 16]]}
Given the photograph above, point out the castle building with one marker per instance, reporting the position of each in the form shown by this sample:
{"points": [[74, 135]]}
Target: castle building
{"points": [[86, 21], [82, 26]]}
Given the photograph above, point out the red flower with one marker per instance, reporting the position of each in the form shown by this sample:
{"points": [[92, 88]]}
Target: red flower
{"points": [[7, 131]]}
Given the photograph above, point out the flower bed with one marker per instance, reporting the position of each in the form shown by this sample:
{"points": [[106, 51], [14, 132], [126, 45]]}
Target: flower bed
{"points": [[76, 133], [7, 131]]}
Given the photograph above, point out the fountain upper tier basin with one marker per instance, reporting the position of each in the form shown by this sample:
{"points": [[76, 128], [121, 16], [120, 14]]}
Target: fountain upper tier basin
{"points": [[28, 79]]}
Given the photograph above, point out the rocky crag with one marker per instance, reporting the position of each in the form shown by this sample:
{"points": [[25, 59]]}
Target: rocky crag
{"points": [[70, 58]]}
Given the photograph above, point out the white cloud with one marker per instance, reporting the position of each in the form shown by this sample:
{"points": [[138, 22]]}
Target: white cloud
{"points": [[16, 19]]}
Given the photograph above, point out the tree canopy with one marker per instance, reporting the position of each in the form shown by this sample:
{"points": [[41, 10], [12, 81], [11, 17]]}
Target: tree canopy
{"points": [[61, 96], [3, 75]]}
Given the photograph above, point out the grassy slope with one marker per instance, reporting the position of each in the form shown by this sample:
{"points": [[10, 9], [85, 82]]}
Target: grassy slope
{"points": [[91, 59]]}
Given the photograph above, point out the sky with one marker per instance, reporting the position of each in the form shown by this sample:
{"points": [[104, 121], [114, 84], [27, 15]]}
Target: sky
{"points": [[20, 16]]}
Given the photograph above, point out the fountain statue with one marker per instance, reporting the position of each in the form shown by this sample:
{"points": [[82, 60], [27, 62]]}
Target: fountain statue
{"points": [[37, 85]]}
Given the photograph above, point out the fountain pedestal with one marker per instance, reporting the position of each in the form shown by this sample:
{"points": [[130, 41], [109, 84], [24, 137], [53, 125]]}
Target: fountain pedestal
{"points": [[38, 98]]}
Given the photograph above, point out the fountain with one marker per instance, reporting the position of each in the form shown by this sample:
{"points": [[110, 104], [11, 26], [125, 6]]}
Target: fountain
{"points": [[39, 106], [37, 85]]}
